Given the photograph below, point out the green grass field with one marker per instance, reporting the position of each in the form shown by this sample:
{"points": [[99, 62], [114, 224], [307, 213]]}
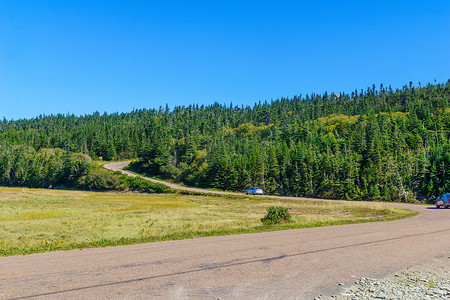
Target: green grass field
{"points": [[37, 220]]}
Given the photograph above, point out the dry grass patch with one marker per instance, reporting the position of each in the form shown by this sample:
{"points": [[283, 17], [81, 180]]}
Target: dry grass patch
{"points": [[33, 220]]}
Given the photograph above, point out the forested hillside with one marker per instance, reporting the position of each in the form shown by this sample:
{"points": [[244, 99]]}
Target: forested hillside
{"points": [[373, 144]]}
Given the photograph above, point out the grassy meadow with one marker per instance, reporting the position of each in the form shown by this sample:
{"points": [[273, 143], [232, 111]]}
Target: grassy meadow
{"points": [[38, 220]]}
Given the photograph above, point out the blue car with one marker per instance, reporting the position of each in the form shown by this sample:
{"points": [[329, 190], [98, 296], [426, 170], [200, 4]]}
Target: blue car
{"points": [[254, 191], [443, 201]]}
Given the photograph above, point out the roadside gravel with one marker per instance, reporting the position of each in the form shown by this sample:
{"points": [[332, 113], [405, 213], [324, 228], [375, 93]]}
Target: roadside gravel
{"points": [[429, 281]]}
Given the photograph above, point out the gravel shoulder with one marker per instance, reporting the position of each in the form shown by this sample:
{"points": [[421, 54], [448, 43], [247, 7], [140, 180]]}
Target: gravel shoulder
{"points": [[426, 281]]}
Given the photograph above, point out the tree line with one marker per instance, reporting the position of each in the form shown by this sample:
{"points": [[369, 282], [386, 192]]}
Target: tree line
{"points": [[371, 144]]}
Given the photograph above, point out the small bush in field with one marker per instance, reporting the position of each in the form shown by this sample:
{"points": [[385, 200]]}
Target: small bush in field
{"points": [[142, 185], [276, 214]]}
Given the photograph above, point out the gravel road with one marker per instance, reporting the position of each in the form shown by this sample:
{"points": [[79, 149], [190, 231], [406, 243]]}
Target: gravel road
{"points": [[120, 165], [291, 264]]}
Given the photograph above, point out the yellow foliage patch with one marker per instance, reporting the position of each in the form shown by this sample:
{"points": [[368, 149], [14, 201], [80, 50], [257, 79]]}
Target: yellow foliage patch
{"points": [[248, 129]]}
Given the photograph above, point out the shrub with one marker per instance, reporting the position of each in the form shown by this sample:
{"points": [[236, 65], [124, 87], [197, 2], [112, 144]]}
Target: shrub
{"points": [[276, 214], [98, 179], [169, 171], [142, 185]]}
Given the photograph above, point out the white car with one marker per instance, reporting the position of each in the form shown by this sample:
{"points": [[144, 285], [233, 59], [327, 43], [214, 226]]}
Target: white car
{"points": [[254, 191]]}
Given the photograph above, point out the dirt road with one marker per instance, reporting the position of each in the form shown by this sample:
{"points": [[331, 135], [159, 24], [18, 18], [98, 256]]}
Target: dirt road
{"points": [[120, 165], [293, 264]]}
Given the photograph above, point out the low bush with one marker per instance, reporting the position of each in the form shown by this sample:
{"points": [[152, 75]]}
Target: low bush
{"points": [[98, 179], [276, 215], [142, 185]]}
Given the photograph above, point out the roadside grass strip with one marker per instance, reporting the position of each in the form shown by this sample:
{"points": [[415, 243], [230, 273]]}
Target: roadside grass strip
{"points": [[37, 220]]}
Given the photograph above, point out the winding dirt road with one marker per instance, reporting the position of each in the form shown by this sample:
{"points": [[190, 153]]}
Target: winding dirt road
{"points": [[293, 264], [120, 165]]}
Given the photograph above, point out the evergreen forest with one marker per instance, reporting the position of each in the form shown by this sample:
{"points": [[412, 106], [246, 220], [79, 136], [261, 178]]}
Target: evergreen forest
{"points": [[373, 144]]}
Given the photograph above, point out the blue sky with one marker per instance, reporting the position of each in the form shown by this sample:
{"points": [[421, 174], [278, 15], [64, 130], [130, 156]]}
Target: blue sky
{"points": [[115, 56]]}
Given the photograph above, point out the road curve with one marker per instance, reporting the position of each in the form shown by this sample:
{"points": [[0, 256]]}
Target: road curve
{"points": [[292, 264], [118, 166]]}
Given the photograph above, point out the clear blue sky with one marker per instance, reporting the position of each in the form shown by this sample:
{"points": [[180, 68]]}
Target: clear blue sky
{"points": [[113, 56]]}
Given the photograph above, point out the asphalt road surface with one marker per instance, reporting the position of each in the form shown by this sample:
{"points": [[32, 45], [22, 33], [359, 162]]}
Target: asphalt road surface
{"points": [[292, 264]]}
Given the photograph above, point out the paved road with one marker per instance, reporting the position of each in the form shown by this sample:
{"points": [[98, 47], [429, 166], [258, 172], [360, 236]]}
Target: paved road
{"points": [[293, 264]]}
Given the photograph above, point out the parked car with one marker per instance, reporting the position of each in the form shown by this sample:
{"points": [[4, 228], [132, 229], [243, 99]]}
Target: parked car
{"points": [[443, 201], [254, 191]]}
